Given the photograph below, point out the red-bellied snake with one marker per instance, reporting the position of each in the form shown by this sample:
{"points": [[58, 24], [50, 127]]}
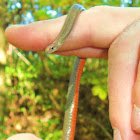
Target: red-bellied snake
{"points": [[73, 89]]}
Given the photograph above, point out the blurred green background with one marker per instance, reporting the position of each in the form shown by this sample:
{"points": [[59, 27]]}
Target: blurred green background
{"points": [[33, 86]]}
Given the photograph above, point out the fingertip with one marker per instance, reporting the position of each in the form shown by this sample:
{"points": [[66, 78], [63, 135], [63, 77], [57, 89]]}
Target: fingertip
{"points": [[10, 30], [23, 136], [136, 119], [25, 37], [116, 134]]}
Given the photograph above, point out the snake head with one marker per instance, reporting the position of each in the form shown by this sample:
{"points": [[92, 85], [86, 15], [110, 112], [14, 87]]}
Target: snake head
{"points": [[53, 47]]}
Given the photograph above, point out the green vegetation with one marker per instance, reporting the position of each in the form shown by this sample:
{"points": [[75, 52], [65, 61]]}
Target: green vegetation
{"points": [[36, 84]]}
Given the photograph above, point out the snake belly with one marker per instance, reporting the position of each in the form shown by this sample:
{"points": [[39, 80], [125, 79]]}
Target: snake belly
{"points": [[72, 100], [73, 88]]}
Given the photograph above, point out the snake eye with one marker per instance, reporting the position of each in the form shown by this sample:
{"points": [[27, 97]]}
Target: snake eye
{"points": [[52, 48]]}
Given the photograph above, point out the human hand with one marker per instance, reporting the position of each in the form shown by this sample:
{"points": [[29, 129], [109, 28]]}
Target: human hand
{"points": [[124, 83], [23, 136], [103, 25]]}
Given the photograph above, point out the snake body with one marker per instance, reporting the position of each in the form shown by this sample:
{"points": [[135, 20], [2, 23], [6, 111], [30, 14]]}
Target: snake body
{"points": [[73, 89]]}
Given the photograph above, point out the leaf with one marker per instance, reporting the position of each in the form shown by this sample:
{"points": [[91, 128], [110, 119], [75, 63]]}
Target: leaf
{"points": [[100, 92]]}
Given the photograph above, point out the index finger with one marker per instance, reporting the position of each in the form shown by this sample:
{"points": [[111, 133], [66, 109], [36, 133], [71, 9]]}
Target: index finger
{"points": [[96, 27]]}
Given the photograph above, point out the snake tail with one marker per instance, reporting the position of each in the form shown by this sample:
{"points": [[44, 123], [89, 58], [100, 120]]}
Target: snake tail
{"points": [[72, 100]]}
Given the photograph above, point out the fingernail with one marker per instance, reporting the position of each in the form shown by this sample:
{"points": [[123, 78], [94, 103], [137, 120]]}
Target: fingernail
{"points": [[116, 135], [136, 118]]}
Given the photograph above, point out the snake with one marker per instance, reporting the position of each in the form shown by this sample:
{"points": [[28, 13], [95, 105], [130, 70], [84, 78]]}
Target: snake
{"points": [[73, 88]]}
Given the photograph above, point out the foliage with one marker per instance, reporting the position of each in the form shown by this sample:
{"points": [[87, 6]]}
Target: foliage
{"points": [[37, 91]]}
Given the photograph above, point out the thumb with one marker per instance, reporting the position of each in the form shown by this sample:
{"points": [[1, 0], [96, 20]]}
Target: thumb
{"points": [[24, 136]]}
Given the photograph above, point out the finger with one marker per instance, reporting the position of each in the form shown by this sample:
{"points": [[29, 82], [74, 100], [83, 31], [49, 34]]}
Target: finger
{"points": [[123, 61], [136, 103], [90, 53], [96, 27], [24, 136]]}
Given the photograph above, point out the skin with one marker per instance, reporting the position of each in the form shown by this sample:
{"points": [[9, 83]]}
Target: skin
{"points": [[109, 32], [24, 136]]}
